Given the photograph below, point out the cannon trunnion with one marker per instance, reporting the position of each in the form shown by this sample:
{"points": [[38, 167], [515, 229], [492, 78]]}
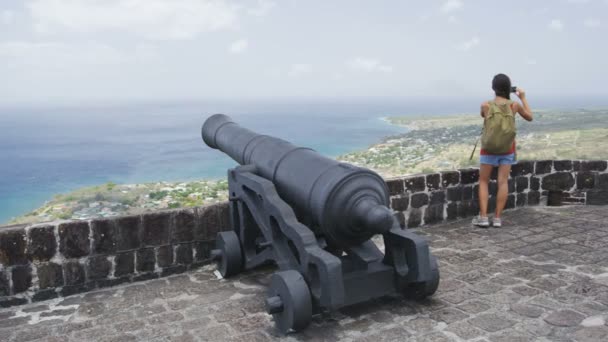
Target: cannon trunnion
{"points": [[314, 218]]}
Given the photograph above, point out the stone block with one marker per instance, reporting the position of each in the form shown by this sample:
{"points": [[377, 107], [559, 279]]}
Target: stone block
{"points": [[173, 270], [104, 236], [183, 254], [184, 223], [467, 193], [437, 197], [433, 181], [98, 267], [22, 278], [69, 290], [74, 239], [559, 181], [521, 199], [602, 181], [5, 288], [145, 260], [42, 244], [510, 202], [74, 273], [469, 176], [223, 212], [395, 186], [562, 165], [494, 174], [522, 168], [534, 183], [492, 188], [418, 200], [128, 228], [5, 303], [449, 178], [155, 228], [594, 165], [12, 247], [597, 197], [511, 184], [533, 198], [454, 193], [452, 211], [112, 282], [44, 295], [208, 223], [576, 165], [433, 214], [585, 179], [124, 264], [203, 249], [400, 203], [415, 184], [476, 192], [491, 204], [521, 183], [543, 167], [401, 219], [463, 208], [164, 256], [50, 275], [415, 218]]}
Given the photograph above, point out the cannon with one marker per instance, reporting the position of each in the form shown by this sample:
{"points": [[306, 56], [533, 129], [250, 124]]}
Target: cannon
{"points": [[314, 218]]}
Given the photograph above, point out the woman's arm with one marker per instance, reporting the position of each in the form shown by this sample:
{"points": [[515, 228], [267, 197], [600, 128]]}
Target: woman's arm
{"points": [[484, 109], [524, 108]]}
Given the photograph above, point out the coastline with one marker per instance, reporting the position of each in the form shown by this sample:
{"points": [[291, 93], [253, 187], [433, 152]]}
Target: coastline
{"points": [[429, 145]]}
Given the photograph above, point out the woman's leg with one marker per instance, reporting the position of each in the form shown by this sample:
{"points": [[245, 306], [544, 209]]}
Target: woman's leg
{"points": [[503, 188], [485, 170]]}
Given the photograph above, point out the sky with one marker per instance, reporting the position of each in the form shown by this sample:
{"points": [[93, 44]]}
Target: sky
{"points": [[95, 51]]}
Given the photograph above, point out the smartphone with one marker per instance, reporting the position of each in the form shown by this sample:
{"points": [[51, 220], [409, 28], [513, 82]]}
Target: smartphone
{"points": [[513, 89]]}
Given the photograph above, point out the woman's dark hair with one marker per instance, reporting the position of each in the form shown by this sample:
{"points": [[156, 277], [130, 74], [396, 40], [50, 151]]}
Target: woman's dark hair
{"points": [[501, 84]]}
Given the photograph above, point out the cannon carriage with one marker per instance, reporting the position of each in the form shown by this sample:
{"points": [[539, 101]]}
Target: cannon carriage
{"points": [[314, 218]]}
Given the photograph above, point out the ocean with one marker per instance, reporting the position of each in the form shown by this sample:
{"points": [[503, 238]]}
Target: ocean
{"points": [[47, 150], [44, 152]]}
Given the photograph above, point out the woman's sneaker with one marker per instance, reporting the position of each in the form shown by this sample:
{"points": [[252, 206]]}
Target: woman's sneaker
{"points": [[482, 222], [496, 222]]}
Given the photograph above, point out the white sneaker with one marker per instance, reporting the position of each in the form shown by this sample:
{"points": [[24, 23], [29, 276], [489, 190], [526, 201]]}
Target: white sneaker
{"points": [[496, 222], [482, 222]]}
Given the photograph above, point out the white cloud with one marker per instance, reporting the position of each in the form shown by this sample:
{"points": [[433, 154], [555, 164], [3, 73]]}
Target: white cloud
{"points": [[530, 61], [369, 65], [451, 5], [452, 19], [239, 46], [7, 17], [151, 19], [298, 70], [469, 44], [556, 25], [592, 23], [262, 8]]}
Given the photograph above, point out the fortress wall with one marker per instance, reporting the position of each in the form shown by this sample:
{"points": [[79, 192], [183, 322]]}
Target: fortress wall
{"points": [[43, 261]]}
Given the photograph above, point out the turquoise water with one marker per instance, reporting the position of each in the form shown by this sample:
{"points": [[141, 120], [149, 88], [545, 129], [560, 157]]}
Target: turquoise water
{"points": [[45, 152]]}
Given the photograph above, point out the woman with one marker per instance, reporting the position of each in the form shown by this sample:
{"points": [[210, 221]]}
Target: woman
{"points": [[501, 84]]}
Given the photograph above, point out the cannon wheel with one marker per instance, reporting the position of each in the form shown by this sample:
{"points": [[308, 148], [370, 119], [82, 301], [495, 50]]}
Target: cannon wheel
{"points": [[228, 254], [289, 301], [419, 291]]}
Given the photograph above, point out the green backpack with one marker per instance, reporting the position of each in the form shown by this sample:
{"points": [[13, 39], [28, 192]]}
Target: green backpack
{"points": [[498, 129]]}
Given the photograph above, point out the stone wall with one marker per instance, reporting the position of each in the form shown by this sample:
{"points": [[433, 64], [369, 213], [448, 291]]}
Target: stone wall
{"points": [[432, 198], [44, 261]]}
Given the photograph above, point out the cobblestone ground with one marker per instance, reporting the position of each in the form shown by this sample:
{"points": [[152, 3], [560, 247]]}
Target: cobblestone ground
{"points": [[543, 276]]}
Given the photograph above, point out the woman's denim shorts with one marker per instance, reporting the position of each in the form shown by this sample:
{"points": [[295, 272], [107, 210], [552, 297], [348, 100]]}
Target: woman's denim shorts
{"points": [[496, 160]]}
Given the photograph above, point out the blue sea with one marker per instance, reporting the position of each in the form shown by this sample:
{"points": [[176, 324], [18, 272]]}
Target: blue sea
{"points": [[49, 150]]}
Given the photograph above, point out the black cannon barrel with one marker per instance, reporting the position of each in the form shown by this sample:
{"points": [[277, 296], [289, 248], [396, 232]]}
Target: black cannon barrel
{"points": [[348, 204]]}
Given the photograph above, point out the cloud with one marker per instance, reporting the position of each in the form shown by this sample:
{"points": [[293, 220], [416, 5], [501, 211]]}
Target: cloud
{"points": [[452, 19], [469, 44], [556, 25], [531, 61], [151, 19], [7, 17], [239, 46], [262, 8], [578, 1], [298, 70], [592, 23], [369, 65], [451, 5]]}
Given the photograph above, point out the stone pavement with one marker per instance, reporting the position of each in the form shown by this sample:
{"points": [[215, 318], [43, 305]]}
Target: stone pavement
{"points": [[543, 277]]}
